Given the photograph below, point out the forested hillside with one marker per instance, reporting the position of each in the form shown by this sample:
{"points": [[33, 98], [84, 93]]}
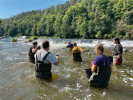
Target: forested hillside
{"points": [[75, 19]]}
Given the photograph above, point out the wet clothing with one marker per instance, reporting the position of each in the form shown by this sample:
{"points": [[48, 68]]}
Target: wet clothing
{"points": [[77, 54], [101, 76], [31, 55], [44, 61], [117, 50]]}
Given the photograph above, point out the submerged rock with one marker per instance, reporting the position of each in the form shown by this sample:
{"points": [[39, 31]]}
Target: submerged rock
{"points": [[125, 50], [131, 50]]}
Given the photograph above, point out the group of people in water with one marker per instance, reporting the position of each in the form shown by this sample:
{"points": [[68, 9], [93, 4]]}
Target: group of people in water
{"points": [[99, 73]]}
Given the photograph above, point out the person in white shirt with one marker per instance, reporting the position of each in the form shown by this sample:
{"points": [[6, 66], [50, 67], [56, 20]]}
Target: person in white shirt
{"points": [[44, 60]]}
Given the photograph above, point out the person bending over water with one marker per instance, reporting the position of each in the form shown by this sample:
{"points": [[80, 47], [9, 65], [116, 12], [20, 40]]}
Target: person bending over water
{"points": [[44, 60], [76, 52], [70, 45], [32, 52], [99, 74]]}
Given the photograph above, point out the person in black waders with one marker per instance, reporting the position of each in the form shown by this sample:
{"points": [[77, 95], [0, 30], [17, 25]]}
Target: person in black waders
{"points": [[76, 52], [44, 60], [32, 52], [99, 74], [70, 45]]}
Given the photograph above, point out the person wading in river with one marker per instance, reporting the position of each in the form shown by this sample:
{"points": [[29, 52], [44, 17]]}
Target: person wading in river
{"points": [[44, 60], [99, 74], [32, 52], [76, 52], [70, 45], [117, 52]]}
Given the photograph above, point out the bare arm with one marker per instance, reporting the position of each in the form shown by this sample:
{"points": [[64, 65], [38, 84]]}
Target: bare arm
{"points": [[34, 50], [57, 63], [93, 68], [83, 50]]}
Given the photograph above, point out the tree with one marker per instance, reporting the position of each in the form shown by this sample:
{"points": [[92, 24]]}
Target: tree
{"points": [[12, 31], [128, 17]]}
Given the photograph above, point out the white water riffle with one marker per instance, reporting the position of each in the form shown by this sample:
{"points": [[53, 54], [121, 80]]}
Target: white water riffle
{"points": [[55, 43]]}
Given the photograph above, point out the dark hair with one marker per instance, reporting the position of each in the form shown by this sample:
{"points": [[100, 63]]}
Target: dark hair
{"points": [[74, 44], [45, 44], [117, 39], [38, 47], [34, 43], [100, 47]]}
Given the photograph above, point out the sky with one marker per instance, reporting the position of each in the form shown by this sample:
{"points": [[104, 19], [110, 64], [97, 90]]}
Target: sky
{"points": [[9, 8]]}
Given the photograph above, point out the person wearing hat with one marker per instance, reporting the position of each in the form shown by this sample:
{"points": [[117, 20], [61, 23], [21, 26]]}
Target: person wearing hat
{"points": [[117, 52]]}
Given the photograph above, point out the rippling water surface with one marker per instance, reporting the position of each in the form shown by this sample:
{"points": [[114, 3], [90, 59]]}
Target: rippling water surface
{"points": [[17, 81]]}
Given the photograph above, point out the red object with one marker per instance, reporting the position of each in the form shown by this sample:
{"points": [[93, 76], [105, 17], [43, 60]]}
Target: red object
{"points": [[92, 63], [117, 61], [111, 52]]}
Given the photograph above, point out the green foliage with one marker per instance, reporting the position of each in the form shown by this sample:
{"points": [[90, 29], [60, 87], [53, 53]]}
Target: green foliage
{"points": [[128, 17], [74, 19], [99, 35], [35, 37], [14, 40], [29, 40]]}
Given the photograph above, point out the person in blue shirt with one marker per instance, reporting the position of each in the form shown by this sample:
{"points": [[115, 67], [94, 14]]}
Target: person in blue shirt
{"points": [[99, 74]]}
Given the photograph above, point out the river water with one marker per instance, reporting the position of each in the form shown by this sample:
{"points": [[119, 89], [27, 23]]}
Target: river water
{"points": [[17, 80]]}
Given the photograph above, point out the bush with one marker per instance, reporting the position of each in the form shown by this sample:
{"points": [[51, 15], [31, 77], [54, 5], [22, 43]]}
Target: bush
{"points": [[29, 40], [14, 40], [35, 37]]}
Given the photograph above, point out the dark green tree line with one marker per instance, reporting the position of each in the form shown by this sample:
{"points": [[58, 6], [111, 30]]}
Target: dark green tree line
{"points": [[75, 19]]}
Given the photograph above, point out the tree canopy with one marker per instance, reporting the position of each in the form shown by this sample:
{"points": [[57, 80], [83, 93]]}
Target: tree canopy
{"points": [[75, 19]]}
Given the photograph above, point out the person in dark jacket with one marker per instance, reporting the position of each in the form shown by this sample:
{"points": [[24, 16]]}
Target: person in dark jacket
{"points": [[32, 52], [70, 45], [117, 52]]}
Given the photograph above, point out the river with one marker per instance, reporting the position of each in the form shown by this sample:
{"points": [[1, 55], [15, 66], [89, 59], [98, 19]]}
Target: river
{"points": [[17, 80]]}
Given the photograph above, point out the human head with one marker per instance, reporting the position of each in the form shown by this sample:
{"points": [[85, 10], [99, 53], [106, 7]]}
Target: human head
{"points": [[45, 44], [68, 42], [99, 49], [34, 43], [116, 41], [74, 44]]}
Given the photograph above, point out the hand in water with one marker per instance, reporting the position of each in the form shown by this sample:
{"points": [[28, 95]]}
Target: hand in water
{"points": [[57, 57], [111, 52], [87, 50]]}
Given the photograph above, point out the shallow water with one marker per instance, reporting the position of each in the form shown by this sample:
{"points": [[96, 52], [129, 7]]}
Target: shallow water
{"points": [[17, 81]]}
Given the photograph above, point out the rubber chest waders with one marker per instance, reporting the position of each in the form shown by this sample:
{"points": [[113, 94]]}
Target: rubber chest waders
{"points": [[43, 70], [100, 77], [77, 55]]}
